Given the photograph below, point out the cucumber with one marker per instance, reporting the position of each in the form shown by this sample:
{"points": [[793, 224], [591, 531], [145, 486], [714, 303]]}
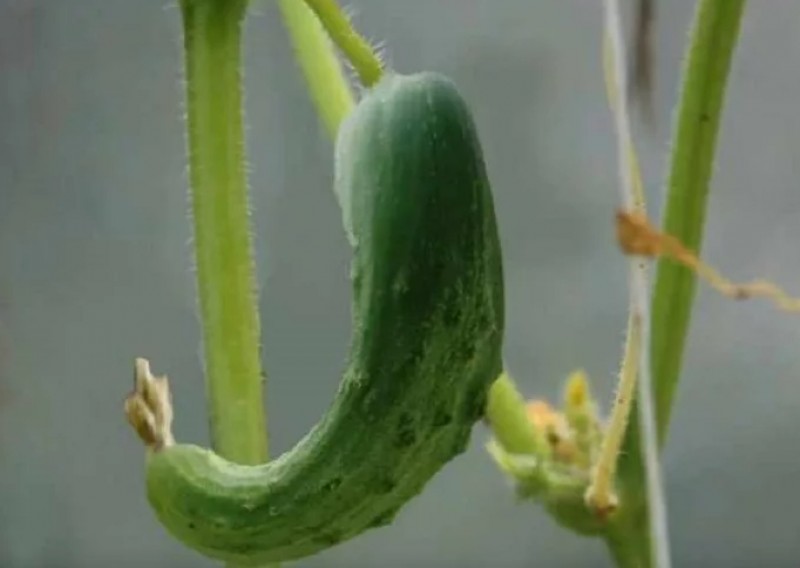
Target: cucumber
{"points": [[428, 321]]}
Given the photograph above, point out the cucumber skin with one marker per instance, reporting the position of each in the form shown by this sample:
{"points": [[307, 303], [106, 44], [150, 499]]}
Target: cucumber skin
{"points": [[428, 321]]}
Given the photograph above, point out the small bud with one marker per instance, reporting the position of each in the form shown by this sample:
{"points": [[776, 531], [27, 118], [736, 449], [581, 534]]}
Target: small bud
{"points": [[577, 390], [581, 413]]}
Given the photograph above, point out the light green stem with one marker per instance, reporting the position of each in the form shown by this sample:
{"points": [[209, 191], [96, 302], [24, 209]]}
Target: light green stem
{"points": [[713, 39], [225, 275], [327, 84], [602, 494], [357, 50], [225, 271]]}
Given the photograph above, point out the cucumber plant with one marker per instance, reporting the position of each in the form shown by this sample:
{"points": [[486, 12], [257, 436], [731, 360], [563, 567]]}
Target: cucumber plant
{"points": [[428, 312], [428, 316]]}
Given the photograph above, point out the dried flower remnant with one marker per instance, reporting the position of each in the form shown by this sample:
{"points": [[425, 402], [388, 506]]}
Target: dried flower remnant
{"points": [[637, 236]]}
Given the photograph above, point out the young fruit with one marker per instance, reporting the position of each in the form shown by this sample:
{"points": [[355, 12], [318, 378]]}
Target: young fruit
{"points": [[428, 319]]}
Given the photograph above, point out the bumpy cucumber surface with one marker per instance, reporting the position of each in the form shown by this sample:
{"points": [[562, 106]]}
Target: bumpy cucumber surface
{"points": [[428, 320]]}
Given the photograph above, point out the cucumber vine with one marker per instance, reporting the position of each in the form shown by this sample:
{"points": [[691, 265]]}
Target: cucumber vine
{"points": [[425, 364]]}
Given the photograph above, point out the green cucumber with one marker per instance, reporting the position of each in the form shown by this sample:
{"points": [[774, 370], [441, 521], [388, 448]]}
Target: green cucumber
{"points": [[428, 321]]}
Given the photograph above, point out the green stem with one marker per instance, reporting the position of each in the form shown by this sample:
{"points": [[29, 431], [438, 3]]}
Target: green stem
{"points": [[630, 545], [714, 39], [714, 35], [327, 84], [602, 494], [226, 283], [357, 50]]}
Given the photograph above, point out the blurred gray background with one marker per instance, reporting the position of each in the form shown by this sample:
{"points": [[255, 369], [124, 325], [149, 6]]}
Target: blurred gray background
{"points": [[95, 269]]}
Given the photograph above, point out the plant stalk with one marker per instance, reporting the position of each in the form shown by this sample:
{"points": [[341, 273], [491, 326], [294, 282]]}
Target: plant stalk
{"points": [[358, 51], [713, 40], [636, 359], [226, 281], [314, 52], [220, 211], [601, 494], [716, 30]]}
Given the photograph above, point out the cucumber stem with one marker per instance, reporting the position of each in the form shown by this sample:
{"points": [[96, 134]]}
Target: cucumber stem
{"points": [[326, 82], [219, 199], [358, 51], [636, 362], [226, 282], [601, 494], [713, 40]]}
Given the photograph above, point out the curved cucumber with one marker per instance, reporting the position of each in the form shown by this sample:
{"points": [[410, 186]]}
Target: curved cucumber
{"points": [[428, 319]]}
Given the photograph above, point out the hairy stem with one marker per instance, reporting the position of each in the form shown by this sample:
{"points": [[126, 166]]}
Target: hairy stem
{"points": [[325, 78], [711, 47], [225, 276], [637, 354], [601, 494], [716, 29], [357, 50]]}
